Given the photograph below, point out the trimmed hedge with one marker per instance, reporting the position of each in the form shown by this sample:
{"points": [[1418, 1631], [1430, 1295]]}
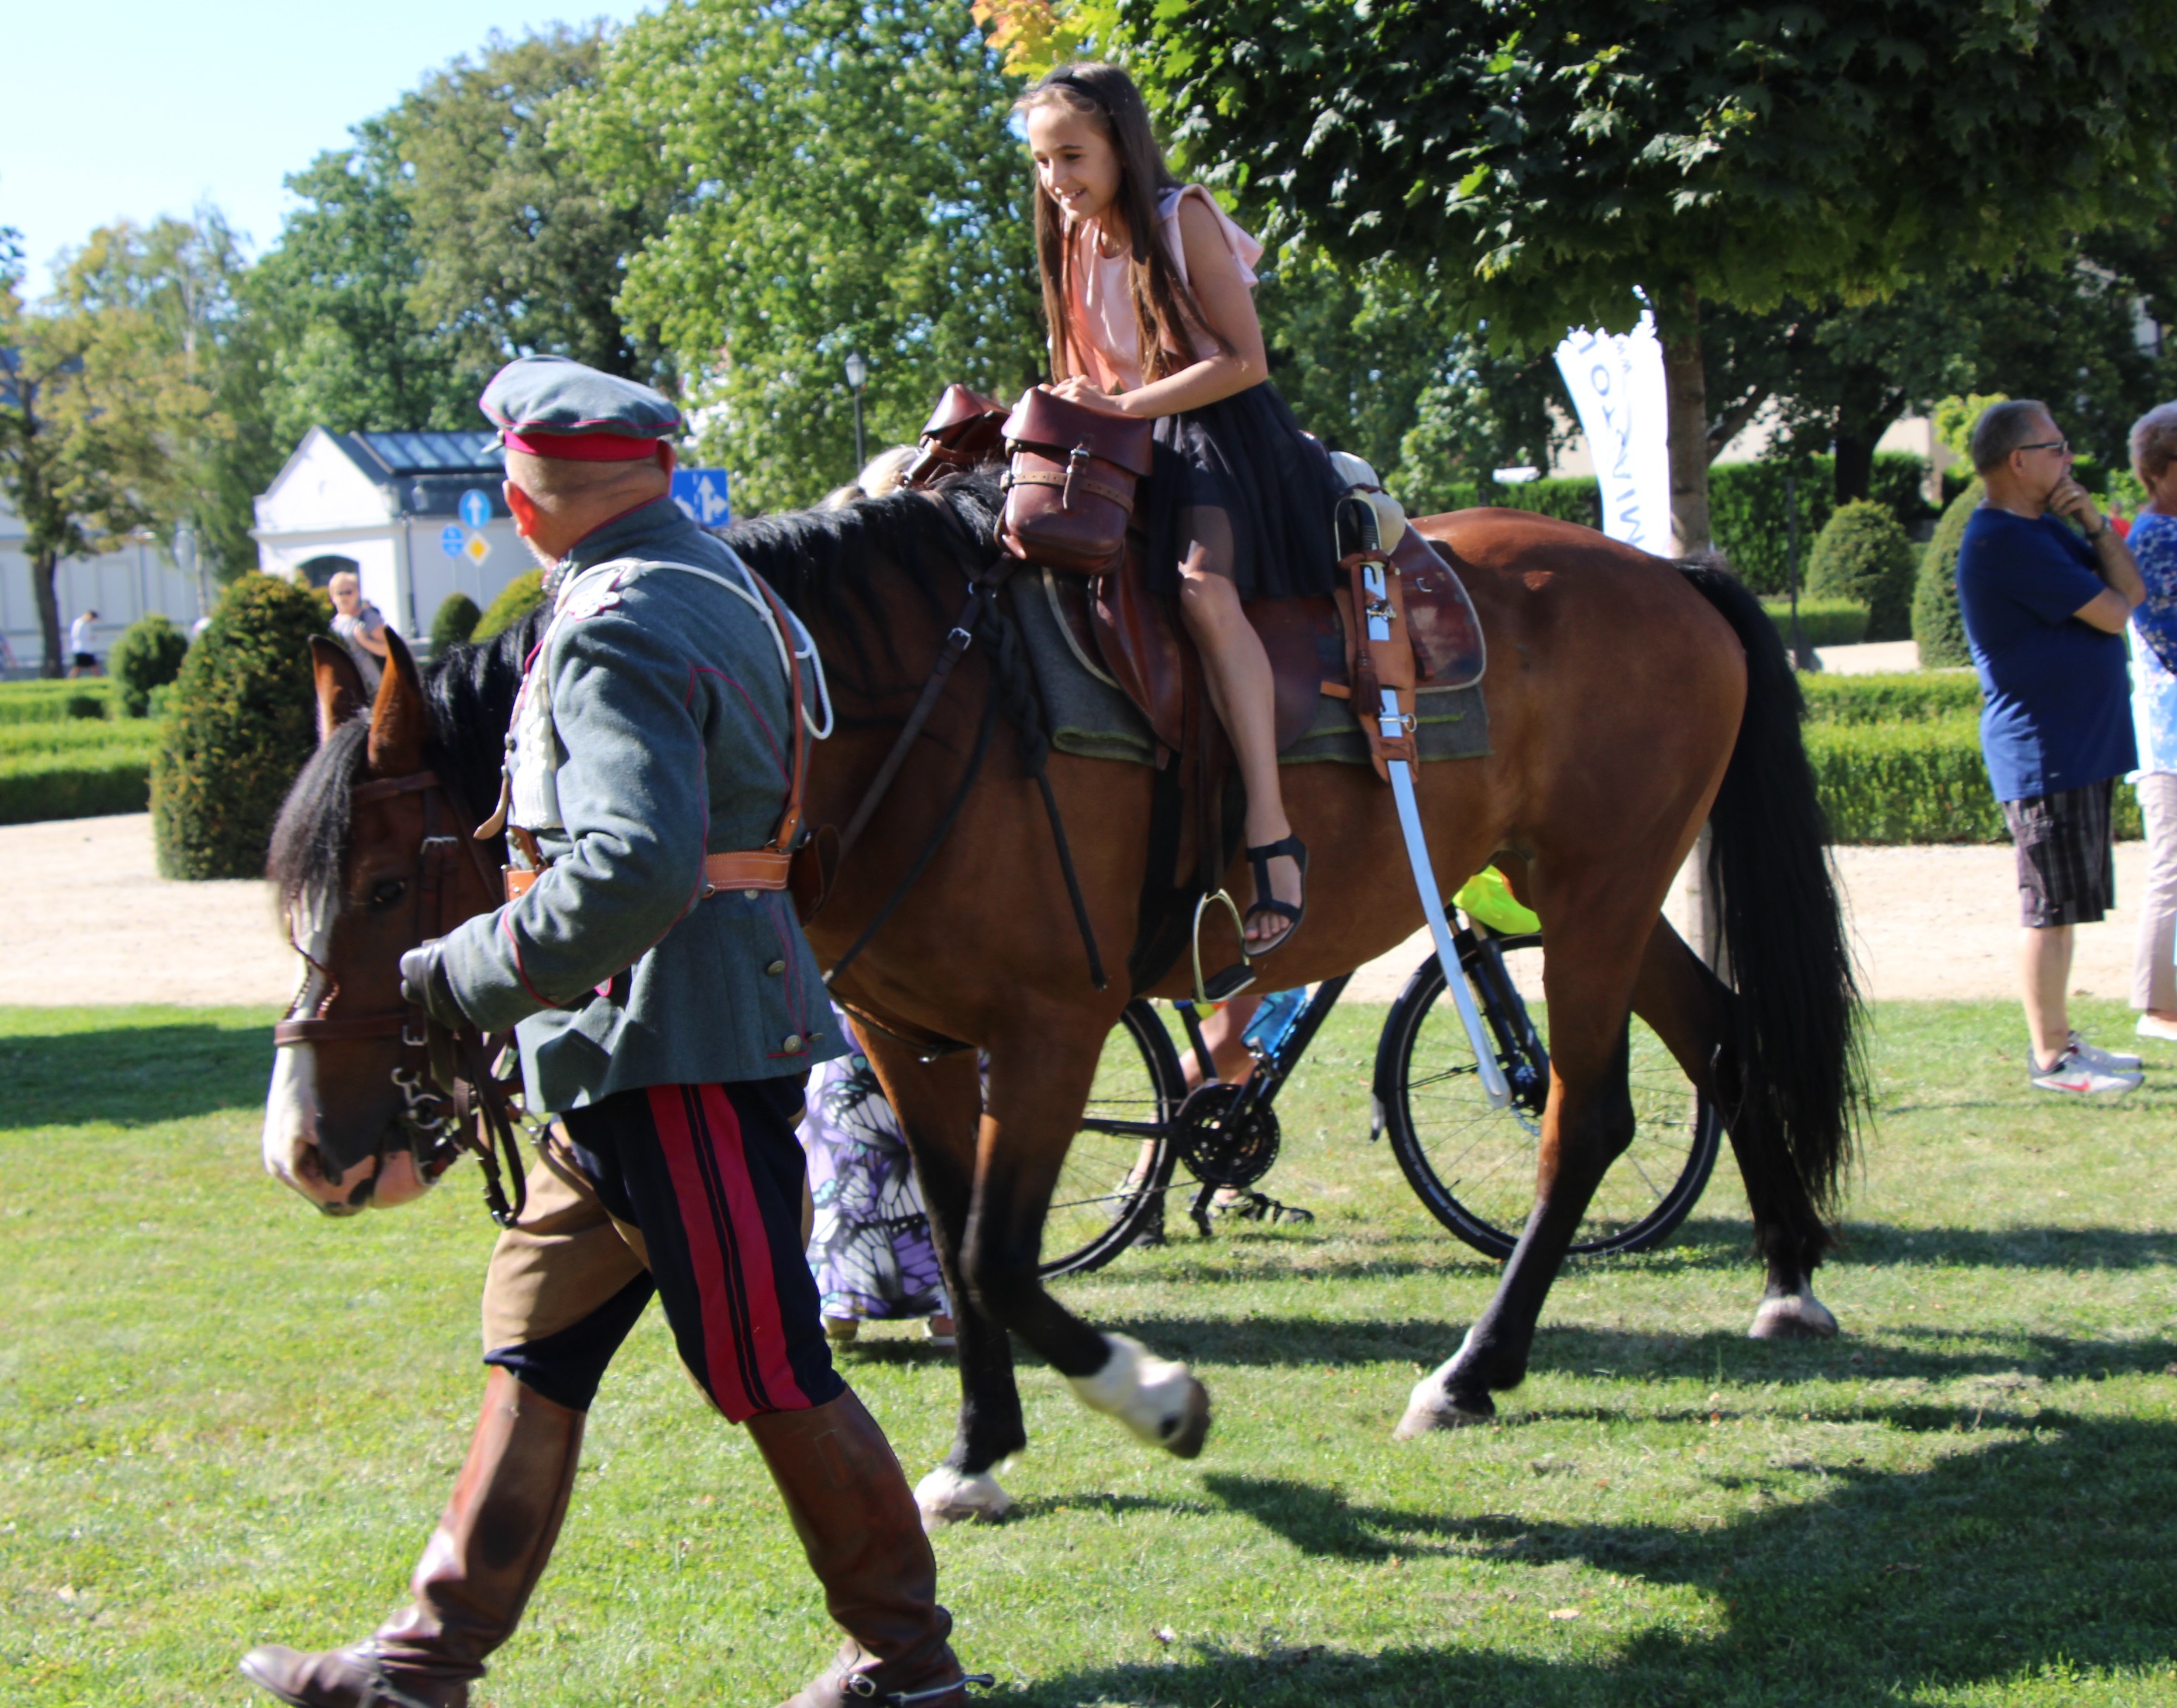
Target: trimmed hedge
{"points": [[1823, 622], [1918, 696], [46, 700], [147, 657], [456, 621], [240, 722], [1918, 783], [75, 770], [516, 600], [1862, 554], [1936, 624]]}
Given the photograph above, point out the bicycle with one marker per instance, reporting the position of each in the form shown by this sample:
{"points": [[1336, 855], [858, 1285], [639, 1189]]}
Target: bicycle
{"points": [[1471, 1165]]}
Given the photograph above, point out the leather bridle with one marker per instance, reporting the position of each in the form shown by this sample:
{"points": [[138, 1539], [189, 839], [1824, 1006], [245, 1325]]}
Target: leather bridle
{"points": [[452, 1100]]}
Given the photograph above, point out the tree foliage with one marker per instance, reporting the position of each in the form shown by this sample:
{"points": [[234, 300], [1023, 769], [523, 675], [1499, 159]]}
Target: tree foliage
{"points": [[842, 180], [1937, 623], [115, 398], [1540, 159], [454, 621]]}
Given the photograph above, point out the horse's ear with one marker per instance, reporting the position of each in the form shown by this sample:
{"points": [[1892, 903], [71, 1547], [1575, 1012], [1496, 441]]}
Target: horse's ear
{"points": [[400, 717], [340, 693]]}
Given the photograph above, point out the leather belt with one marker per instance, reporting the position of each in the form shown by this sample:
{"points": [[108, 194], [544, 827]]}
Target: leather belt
{"points": [[748, 869]]}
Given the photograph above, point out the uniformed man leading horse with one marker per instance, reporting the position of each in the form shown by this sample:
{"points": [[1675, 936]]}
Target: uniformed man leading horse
{"points": [[668, 1010]]}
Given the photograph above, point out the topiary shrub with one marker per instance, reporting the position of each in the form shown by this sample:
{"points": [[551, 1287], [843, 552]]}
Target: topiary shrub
{"points": [[241, 719], [1862, 554], [516, 600], [1936, 624], [148, 655], [456, 621]]}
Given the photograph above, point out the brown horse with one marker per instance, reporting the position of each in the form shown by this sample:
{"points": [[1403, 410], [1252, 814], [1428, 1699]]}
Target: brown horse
{"points": [[1630, 701]]}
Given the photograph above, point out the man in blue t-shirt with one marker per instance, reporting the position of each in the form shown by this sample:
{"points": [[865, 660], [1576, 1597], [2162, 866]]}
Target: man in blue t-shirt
{"points": [[2044, 610]]}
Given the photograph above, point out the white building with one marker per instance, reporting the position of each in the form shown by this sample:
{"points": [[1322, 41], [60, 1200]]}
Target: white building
{"points": [[120, 586], [417, 516]]}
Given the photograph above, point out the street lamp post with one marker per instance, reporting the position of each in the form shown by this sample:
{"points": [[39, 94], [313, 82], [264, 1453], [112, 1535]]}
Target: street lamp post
{"points": [[858, 376]]}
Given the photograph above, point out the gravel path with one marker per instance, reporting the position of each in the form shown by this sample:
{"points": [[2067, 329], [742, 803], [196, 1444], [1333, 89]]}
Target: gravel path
{"points": [[87, 920]]}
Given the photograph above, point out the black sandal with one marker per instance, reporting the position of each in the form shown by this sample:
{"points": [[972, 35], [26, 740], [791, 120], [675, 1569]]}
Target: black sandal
{"points": [[1266, 901]]}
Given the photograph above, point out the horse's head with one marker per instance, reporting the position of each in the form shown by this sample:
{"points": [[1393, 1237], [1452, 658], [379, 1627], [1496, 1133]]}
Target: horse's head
{"points": [[373, 853]]}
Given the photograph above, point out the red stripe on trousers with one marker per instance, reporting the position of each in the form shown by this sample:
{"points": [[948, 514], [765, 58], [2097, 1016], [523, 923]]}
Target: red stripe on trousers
{"points": [[743, 1331]]}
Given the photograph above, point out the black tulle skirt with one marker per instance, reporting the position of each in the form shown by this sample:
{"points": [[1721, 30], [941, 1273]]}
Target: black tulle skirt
{"points": [[1241, 482]]}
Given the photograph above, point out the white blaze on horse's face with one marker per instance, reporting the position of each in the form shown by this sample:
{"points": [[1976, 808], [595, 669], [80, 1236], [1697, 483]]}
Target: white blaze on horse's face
{"points": [[291, 1105]]}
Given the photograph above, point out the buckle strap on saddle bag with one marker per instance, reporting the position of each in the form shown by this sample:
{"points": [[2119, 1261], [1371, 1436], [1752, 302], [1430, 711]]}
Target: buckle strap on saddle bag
{"points": [[739, 869]]}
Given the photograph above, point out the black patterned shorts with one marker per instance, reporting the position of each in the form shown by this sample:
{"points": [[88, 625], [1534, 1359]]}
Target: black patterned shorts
{"points": [[2066, 855]]}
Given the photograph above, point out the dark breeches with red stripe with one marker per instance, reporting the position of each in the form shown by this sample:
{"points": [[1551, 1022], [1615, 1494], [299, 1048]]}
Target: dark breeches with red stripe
{"points": [[712, 1174]]}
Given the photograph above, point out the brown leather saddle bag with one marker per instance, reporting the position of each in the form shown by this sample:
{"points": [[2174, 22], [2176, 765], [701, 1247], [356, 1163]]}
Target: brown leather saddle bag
{"points": [[965, 431], [1069, 486]]}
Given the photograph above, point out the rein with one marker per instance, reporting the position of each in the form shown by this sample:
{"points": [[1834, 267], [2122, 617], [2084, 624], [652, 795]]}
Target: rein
{"points": [[470, 1108], [982, 614]]}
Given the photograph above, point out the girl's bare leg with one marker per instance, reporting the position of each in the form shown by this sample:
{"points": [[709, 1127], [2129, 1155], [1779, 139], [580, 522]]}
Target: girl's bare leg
{"points": [[1238, 670]]}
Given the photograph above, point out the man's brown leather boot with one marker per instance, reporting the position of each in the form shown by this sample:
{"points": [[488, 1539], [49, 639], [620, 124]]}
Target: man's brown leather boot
{"points": [[475, 1577], [857, 1520]]}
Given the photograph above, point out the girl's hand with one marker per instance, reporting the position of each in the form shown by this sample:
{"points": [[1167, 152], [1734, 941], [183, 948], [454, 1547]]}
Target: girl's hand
{"points": [[1078, 388]]}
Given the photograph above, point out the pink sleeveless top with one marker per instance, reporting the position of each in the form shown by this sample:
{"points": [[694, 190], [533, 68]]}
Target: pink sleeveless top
{"points": [[1106, 342]]}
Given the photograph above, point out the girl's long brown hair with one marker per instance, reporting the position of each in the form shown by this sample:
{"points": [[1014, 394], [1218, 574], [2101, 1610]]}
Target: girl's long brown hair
{"points": [[1165, 311]]}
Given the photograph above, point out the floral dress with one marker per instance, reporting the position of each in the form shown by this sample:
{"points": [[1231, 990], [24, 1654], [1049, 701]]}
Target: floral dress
{"points": [[2153, 636]]}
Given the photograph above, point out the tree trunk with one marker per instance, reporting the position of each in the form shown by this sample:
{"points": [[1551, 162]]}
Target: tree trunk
{"points": [[1855, 466], [1685, 386], [44, 566]]}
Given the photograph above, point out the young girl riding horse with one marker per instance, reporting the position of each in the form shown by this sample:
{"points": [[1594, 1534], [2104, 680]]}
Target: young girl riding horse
{"points": [[1146, 288]]}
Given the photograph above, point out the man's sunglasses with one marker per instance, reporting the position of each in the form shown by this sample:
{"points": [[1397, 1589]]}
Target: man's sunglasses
{"points": [[2059, 444]]}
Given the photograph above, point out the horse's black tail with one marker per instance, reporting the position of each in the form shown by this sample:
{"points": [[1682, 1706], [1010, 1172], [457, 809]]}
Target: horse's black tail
{"points": [[1800, 1070]]}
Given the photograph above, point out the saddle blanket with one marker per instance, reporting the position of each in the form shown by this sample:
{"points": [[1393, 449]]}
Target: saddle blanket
{"points": [[1089, 715]]}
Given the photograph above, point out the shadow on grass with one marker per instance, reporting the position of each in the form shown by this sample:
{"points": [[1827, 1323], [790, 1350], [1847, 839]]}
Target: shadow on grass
{"points": [[133, 1075], [1934, 1355], [2034, 1554]]}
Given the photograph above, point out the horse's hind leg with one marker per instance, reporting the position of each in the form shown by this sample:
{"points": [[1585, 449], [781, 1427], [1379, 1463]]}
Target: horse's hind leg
{"points": [[939, 1104], [1592, 957], [1691, 1009]]}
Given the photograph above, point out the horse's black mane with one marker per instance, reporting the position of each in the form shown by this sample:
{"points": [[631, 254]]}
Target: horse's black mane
{"points": [[812, 557], [470, 693]]}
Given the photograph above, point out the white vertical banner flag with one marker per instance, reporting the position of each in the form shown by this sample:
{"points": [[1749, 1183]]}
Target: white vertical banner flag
{"points": [[1616, 380]]}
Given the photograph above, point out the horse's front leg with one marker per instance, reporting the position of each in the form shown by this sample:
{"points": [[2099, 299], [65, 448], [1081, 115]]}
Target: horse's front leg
{"points": [[1040, 1074], [939, 1104]]}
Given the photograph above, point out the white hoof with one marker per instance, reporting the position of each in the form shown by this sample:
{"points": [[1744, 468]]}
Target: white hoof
{"points": [[1158, 1400], [1797, 1316], [1431, 1407], [947, 1496]]}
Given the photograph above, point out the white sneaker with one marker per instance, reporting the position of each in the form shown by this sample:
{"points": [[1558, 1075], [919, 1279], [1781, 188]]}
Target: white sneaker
{"points": [[2074, 1073], [2108, 1061], [2162, 1031]]}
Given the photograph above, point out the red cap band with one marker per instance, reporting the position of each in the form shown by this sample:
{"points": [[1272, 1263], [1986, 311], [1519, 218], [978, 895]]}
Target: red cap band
{"points": [[581, 447]]}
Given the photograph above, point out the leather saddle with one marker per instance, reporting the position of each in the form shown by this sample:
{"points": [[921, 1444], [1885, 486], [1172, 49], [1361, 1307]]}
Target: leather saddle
{"points": [[1138, 638]]}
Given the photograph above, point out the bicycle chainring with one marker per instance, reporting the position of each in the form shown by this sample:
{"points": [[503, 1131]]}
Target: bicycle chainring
{"points": [[1221, 1147]]}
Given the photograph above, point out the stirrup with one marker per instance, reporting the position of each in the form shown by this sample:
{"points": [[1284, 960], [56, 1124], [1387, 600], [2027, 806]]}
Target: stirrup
{"points": [[1225, 985], [1266, 901]]}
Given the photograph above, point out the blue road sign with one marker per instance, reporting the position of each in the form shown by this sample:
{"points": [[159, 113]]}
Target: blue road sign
{"points": [[476, 507], [451, 539], [703, 495]]}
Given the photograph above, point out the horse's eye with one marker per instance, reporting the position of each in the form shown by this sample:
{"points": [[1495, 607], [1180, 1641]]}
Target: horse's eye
{"points": [[389, 891]]}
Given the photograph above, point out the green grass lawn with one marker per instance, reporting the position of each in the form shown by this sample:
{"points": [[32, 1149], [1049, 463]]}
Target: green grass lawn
{"points": [[224, 1419]]}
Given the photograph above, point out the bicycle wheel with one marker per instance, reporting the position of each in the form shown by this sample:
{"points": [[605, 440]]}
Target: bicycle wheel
{"points": [[1119, 1166], [1475, 1167]]}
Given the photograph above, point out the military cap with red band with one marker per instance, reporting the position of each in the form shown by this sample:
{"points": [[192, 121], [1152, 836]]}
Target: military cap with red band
{"points": [[549, 405]]}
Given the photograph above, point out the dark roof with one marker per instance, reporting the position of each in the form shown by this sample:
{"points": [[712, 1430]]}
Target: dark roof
{"points": [[402, 454]]}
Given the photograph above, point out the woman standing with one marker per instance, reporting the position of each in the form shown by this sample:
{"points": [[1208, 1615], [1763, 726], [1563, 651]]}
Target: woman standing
{"points": [[2153, 638]]}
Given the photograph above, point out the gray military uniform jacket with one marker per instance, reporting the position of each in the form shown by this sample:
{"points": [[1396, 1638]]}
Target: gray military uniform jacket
{"points": [[667, 720]]}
